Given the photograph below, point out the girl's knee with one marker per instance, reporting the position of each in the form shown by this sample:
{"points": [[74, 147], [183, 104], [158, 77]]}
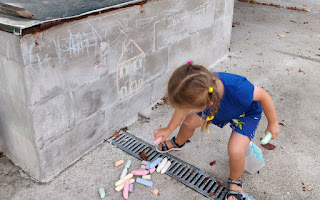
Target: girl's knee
{"points": [[236, 152], [192, 121]]}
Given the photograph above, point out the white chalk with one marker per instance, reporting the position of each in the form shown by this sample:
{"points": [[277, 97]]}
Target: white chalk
{"points": [[124, 173], [146, 177], [166, 167], [120, 187], [119, 182], [162, 164]]}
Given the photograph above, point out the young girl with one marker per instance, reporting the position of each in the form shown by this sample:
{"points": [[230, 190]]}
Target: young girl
{"points": [[200, 98]]}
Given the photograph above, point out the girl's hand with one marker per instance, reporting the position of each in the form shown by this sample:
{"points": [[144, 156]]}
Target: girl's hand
{"points": [[274, 129], [164, 132]]}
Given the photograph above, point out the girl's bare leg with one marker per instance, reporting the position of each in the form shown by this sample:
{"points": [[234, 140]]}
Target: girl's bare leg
{"points": [[236, 149], [189, 125]]}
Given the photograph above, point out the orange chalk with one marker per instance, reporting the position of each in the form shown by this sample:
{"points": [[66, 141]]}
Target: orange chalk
{"points": [[118, 163], [155, 192]]}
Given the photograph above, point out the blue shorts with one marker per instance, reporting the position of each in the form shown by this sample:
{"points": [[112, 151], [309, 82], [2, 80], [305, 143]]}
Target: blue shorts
{"points": [[245, 125]]}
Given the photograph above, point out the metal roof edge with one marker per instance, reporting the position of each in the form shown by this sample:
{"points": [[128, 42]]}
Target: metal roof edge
{"points": [[50, 23]]}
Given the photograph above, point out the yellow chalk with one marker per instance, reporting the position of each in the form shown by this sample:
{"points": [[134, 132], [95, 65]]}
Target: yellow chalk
{"points": [[119, 182], [146, 177], [120, 187]]}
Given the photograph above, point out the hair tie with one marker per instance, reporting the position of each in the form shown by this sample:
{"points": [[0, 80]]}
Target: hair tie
{"points": [[210, 118], [190, 62], [210, 89]]}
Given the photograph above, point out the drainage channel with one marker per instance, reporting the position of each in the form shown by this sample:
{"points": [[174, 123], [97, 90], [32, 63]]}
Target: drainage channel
{"points": [[191, 176]]}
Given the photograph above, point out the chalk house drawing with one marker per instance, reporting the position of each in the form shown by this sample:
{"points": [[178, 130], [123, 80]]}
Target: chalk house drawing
{"points": [[131, 66]]}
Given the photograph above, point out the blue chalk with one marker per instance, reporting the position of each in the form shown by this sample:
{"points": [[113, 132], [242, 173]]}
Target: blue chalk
{"points": [[154, 163], [144, 182]]}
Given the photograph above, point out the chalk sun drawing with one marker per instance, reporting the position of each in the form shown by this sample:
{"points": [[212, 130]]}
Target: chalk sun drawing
{"points": [[131, 66]]}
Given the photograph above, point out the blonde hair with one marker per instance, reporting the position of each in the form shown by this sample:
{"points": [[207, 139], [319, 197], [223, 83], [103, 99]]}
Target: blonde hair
{"points": [[188, 88]]}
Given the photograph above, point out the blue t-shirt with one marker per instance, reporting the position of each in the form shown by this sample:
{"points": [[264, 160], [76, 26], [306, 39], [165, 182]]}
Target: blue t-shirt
{"points": [[237, 99]]}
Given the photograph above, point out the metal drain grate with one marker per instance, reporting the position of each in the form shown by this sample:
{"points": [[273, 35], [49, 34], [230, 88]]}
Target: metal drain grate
{"points": [[189, 175]]}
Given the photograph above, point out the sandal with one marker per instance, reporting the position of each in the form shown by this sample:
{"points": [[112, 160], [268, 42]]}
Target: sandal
{"points": [[237, 194], [165, 149]]}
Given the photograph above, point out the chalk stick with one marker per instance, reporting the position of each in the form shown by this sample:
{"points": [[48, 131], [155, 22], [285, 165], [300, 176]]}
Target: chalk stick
{"points": [[152, 170], [162, 164], [125, 192], [155, 192], [143, 167], [166, 167], [145, 162], [158, 140], [102, 193], [128, 164], [146, 177], [119, 182], [120, 187], [266, 138], [118, 163], [131, 187], [154, 163], [140, 172], [144, 182], [124, 173]]}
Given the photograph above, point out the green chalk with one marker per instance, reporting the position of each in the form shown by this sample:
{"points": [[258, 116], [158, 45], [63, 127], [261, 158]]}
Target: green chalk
{"points": [[128, 164], [266, 138], [102, 193]]}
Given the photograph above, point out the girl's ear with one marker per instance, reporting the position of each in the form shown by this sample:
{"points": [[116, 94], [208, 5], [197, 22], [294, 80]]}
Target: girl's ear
{"points": [[211, 103]]}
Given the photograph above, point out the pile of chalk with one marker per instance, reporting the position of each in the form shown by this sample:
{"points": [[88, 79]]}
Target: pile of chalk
{"points": [[142, 175]]}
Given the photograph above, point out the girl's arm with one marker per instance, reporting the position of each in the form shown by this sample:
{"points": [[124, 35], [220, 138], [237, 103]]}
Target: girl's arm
{"points": [[269, 110], [177, 118]]}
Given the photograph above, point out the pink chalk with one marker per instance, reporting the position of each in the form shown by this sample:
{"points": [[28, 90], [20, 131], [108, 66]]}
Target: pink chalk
{"points": [[97, 65], [126, 189], [152, 170], [140, 172], [158, 140], [131, 187]]}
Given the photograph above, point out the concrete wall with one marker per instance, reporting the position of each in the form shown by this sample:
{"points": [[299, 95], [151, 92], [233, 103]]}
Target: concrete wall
{"points": [[76, 83]]}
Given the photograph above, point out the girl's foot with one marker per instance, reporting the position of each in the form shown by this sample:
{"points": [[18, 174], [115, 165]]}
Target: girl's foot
{"points": [[169, 145], [235, 190]]}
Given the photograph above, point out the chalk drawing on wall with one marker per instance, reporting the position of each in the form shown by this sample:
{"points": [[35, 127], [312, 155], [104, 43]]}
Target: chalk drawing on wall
{"points": [[131, 66], [193, 12], [77, 44]]}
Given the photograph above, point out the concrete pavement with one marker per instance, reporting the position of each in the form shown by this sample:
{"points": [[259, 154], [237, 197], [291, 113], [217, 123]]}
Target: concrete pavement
{"points": [[287, 67]]}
